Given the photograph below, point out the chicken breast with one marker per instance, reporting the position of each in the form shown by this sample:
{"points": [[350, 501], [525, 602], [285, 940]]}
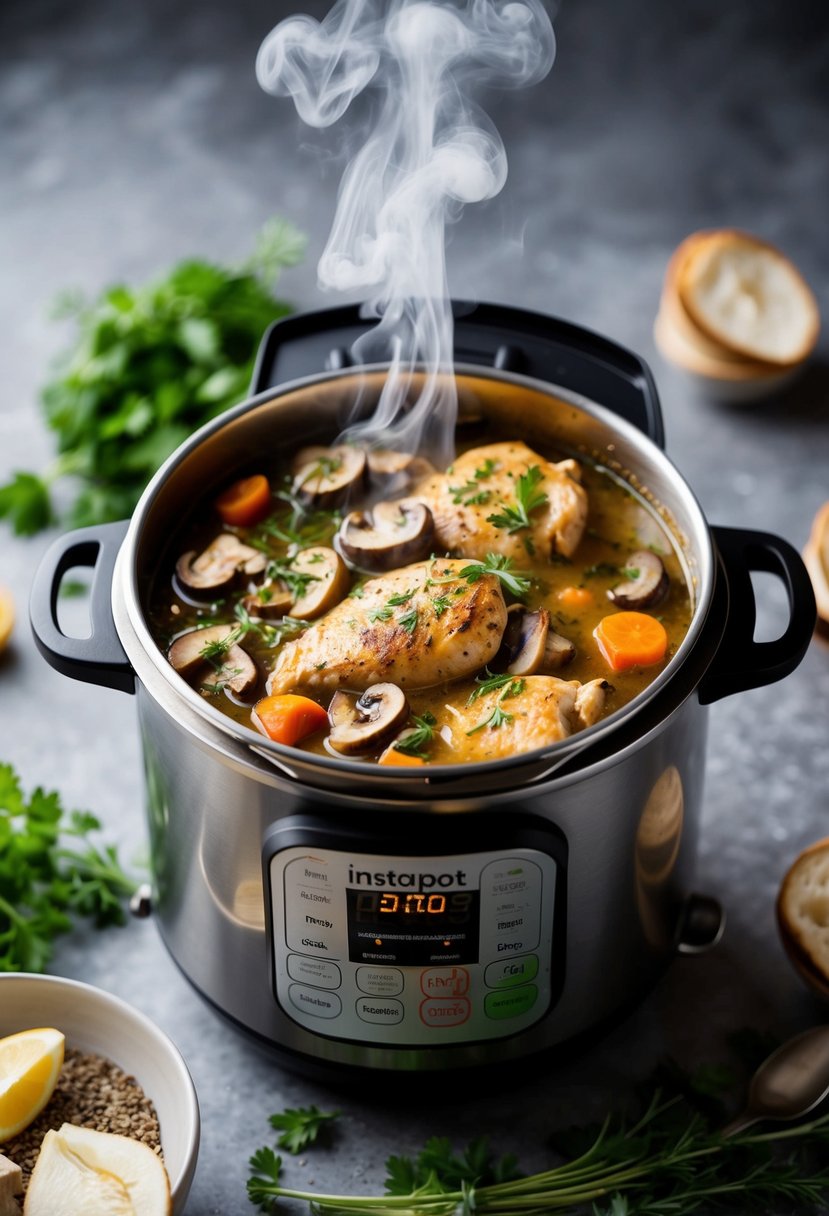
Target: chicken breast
{"points": [[484, 483], [415, 627], [516, 717]]}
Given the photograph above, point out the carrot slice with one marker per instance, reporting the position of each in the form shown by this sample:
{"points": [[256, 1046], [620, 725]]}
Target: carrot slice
{"points": [[392, 756], [631, 639], [288, 718], [575, 597], [246, 501]]}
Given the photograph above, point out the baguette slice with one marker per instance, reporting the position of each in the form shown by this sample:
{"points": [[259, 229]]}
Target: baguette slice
{"points": [[676, 314], [744, 294], [677, 348], [803, 915], [816, 558]]}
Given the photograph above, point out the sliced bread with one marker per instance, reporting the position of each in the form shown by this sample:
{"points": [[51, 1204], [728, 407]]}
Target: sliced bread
{"points": [[803, 914], [816, 558], [747, 296]]}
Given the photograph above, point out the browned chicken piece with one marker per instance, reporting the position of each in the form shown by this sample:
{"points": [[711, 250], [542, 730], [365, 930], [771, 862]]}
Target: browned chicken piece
{"points": [[516, 717], [415, 627], [484, 483]]}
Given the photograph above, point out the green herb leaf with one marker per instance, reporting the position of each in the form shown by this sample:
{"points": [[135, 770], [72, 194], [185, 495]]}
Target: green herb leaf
{"points": [[528, 498], [379, 614], [301, 1126], [501, 566], [415, 742], [408, 621], [44, 881], [145, 368]]}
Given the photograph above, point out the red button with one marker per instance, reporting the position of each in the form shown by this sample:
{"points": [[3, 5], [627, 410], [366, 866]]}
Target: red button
{"points": [[445, 981], [444, 1013]]}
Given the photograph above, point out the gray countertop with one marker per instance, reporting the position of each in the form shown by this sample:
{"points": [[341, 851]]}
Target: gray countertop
{"points": [[132, 135]]}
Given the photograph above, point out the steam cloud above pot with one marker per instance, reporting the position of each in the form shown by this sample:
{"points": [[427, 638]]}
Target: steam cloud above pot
{"points": [[431, 150]]}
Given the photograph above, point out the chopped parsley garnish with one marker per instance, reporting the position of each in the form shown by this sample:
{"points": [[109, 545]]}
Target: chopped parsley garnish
{"points": [[415, 741], [394, 601], [528, 498], [280, 569], [441, 602], [500, 566], [498, 717], [384, 613], [470, 493], [409, 621]]}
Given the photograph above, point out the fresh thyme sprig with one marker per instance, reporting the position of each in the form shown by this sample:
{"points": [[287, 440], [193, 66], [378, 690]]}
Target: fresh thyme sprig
{"points": [[281, 570], [498, 716], [528, 498]]}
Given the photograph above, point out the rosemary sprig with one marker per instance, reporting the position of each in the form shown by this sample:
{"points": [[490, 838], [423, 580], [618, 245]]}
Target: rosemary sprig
{"points": [[528, 498]]}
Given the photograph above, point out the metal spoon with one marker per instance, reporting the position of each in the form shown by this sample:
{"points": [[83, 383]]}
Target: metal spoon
{"points": [[790, 1083]]}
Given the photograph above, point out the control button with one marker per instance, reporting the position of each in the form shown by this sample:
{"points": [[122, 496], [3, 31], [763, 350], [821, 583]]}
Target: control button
{"points": [[444, 981], [380, 981], [511, 972], [314, 971], [314, 1002], [502, 1005], [444, 1013], [382, 1013]]}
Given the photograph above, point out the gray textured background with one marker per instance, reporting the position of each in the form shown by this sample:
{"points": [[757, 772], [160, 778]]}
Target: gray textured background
{"points": [[134, 134]]}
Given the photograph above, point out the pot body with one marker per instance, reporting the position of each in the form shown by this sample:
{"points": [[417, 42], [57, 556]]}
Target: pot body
{"points": [[419, 920], [622, 835]]}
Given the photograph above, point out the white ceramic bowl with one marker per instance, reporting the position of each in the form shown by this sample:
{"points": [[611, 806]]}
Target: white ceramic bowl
{"points": [[96, 1021]]}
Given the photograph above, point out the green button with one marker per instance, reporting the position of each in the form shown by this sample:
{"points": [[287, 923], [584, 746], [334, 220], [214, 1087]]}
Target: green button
{"points": [[511, 972], [502, 1005]]}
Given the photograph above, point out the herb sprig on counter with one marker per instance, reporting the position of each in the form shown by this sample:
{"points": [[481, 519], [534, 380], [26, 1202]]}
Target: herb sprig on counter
{"points": [[51, 871], [667, 1162], [301, 1126], [148, 366]]}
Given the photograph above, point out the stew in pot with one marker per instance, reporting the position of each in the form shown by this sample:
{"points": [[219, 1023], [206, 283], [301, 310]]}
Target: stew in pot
{"points": [[362, 604]]}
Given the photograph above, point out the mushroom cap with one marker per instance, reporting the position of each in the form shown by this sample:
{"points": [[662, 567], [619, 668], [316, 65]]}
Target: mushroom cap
{"points": [[366, 723], [392, 534], [217, 566], [331, 582], [525, 639], [647, 587], [388, 465], [327, 477], [235, 671]]}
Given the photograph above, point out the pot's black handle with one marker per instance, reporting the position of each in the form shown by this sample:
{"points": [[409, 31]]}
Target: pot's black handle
{"points": [[486, 335], [100, 658], [741, 662]]}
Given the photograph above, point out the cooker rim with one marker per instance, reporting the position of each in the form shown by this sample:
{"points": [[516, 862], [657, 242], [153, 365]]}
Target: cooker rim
{"points": [[150, 663]]}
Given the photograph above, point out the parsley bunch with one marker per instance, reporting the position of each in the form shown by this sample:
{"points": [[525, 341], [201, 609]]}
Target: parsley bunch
{"points": [[149, 365], [50, 872]]}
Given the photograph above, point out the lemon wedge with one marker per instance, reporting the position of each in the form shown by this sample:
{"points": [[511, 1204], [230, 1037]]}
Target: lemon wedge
{"points": [[6, 617], [30, 1063]]}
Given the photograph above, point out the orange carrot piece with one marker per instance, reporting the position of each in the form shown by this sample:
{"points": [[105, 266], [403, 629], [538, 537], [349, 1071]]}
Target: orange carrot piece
{"points": [[245, 502], [631, 639], [288, 718], [575, 597], [392, 756]]}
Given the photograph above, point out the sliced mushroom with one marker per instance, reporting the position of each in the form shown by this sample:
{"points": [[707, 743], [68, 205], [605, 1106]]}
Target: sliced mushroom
{"points": [[327, 477], [271, 601], [366, 723], [215, 569], [392, 534], [386, 465], [524, 640], [229, 666], [329, 582], [647, 585], [558, 652]]}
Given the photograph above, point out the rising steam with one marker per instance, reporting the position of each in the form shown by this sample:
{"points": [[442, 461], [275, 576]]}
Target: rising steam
{"points": [[431, 151]]}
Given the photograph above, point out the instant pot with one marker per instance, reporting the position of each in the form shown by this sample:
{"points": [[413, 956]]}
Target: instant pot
{"points": [[415, 920]]}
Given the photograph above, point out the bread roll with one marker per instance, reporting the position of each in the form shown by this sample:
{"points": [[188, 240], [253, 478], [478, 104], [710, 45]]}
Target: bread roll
{"points": [[803, 914]]}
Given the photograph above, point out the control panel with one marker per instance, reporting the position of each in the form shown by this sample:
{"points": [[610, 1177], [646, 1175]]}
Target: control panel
{"points": [[413, 951]]}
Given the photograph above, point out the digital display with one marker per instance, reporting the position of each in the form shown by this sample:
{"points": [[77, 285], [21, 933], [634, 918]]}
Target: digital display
{"points": [[413, 928]]}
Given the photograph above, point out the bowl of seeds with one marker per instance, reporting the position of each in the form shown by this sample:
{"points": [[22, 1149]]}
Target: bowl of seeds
{"points": [[98, 1112]]}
